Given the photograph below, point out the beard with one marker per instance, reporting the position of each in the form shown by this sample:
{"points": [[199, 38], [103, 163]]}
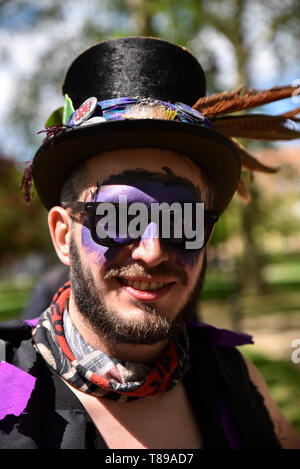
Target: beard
{"points": [[152, 328]]}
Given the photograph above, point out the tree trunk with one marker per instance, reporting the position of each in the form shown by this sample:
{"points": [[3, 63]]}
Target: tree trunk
{"points": [[252, 262], [141, 15], [249, 272]]}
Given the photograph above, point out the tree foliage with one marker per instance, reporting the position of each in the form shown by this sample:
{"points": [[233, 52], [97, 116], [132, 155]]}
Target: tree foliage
{"points": [[22, 228]]}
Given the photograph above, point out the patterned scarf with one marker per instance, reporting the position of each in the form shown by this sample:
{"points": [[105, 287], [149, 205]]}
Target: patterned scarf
{"points": [[94, 372]]}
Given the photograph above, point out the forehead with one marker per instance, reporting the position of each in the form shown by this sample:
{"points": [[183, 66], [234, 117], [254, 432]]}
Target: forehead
{"points": [[100, 167]]}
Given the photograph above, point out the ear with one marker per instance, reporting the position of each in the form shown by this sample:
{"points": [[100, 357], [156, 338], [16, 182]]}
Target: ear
{"points": [[60, 224]]}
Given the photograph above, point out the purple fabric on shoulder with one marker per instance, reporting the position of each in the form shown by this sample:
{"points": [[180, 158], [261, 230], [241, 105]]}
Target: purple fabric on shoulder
{"points": [[32, 322], [222, 337], [16, 387]]}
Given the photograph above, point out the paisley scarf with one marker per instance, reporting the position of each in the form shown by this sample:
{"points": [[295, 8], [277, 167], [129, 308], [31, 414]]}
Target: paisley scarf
{"points": [[92, 371]]}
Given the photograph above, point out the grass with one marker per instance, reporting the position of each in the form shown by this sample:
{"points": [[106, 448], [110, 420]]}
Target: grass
{"points": [[282, 293], [12, 302]]}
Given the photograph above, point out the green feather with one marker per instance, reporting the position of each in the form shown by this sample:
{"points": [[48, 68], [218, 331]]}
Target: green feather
{"points": [[68, 109], [55, 118]]}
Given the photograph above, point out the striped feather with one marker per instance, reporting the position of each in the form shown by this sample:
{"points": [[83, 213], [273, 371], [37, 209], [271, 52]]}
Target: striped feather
{"points": [[250, 99], [206, 102], [259, 126]]}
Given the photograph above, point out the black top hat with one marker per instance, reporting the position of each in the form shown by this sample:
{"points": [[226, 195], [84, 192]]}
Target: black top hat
{"points": [[127, 70]]}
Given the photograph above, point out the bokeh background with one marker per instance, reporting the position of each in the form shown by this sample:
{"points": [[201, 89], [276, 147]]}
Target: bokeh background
{"points": [[253, 280]]}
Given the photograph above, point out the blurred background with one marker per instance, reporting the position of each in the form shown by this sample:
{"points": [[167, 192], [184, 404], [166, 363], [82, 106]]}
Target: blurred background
{"points": [[253, 279]]}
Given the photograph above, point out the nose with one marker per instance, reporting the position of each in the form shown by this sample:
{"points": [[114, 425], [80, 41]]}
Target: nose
{"points": [[150, 249]]}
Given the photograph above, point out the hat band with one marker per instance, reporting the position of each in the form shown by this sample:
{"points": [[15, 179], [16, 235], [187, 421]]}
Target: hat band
{"points": [[93, 111]]}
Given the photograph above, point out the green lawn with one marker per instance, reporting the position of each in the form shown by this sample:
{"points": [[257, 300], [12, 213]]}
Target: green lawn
{"points": [[282, 294], [12, 301]]}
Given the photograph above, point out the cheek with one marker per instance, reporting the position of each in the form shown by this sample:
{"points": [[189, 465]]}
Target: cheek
{"points": [[188, 259], [100, 255], [192, 264]]}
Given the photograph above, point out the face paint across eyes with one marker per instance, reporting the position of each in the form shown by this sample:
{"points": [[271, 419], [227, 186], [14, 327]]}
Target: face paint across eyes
{"points": [[147, 193], [100, 254], [150, 196]]}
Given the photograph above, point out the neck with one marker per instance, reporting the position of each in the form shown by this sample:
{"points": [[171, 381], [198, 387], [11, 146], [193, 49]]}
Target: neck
{"points": [[146, 354]]}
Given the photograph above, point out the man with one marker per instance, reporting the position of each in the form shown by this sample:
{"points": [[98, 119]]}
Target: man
{"points": [[117, 361]]}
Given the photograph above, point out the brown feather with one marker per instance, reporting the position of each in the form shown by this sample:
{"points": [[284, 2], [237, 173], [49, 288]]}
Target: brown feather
{"points": [[208, 101], [291, 113], [250, 99], [243, 191], [249, 162], [258, 126]]}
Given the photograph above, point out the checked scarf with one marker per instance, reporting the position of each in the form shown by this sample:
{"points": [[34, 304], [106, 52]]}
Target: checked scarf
{"points": [[93, 371]]}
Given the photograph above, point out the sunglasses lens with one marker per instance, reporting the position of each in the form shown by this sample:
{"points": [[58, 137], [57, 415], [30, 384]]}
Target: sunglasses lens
{"points": [[189, 227], [177, 237], [115, 232]]}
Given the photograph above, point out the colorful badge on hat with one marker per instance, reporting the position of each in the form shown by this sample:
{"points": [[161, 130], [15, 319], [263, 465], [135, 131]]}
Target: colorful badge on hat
{"points": [[189, 113], [84, 112], [94, 120]]}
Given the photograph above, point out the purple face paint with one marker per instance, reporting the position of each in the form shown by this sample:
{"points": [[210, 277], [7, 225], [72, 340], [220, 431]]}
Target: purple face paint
{"points": [[151, 232], [16, 387], [146, 193]]}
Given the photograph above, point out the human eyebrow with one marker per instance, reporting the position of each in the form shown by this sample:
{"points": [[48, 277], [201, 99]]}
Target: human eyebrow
{"points": [[139, 174]]}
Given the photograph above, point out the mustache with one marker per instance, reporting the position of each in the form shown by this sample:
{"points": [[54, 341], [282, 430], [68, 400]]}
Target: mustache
{"points": [[139, 270]]}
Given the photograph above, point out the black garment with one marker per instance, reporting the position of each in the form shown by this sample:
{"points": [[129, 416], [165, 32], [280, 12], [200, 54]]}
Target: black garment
{"points": [[55, 418]]}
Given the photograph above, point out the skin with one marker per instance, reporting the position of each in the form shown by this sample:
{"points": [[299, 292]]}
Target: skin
{"points": [[150, 253]]}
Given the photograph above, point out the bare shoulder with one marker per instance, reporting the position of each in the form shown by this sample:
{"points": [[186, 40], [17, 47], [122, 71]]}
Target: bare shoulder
{"points": [[286, 434]]}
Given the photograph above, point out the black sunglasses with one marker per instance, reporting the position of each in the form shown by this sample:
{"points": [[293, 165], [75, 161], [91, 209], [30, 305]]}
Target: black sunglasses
{"points": [[98, 224]]}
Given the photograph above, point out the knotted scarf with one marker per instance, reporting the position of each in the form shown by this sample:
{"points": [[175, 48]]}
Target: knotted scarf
{"points": [[94, 372]]}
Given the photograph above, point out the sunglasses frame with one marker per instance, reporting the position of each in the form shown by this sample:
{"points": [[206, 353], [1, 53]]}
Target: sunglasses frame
{"points": [[89, 208]]}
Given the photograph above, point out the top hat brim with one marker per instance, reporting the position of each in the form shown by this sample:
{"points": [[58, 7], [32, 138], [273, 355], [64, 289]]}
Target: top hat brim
{"points": [[214, 153]]}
